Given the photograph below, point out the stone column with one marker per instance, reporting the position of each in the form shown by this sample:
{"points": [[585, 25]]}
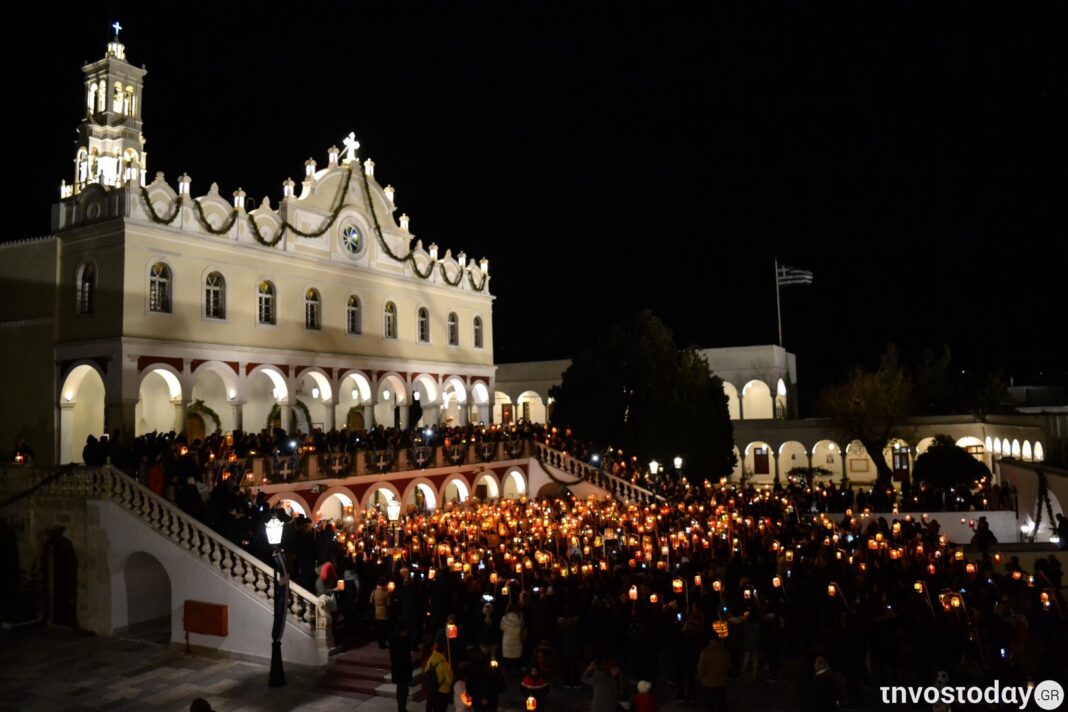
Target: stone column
{"points": [[180, 407], [403, 417], [121, 416], [328, 419], [368, 416], [464, 410], [237, 409], [485, 413], [285, 410], [67, 447], [741, 410]]}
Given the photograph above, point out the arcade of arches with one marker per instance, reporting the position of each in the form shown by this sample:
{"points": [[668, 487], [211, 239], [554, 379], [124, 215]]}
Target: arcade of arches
{"points": [[201, 397], [341, 501], [763, 461]]}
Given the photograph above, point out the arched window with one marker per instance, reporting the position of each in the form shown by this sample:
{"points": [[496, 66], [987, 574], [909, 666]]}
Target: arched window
{"points": [[478, 332], [159, 288], [391, 321], [352, 315], [215, 296], [424, 325], [265, 303], [87, 288], [312, 318], [116, 102], [454, 329]]}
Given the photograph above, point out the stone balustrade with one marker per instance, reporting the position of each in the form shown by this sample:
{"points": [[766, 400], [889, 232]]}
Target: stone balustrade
{"points": [[307, 611], [584, 472]]}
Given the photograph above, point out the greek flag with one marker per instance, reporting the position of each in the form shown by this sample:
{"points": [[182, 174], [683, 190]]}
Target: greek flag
{"points": [[790, 275]]}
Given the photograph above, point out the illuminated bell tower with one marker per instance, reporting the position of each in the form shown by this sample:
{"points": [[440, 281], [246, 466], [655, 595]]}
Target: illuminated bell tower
{"points": [[110, 144]]}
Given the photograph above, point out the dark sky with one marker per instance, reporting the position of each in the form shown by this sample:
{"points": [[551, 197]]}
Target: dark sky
{"points": [[608, 158]]}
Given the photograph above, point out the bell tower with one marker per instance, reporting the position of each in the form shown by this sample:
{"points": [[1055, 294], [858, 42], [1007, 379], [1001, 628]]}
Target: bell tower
{"points": [[110, 143]]}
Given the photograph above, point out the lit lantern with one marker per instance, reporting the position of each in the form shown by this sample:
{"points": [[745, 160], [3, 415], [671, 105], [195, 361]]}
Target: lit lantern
{"points": [[451, 632], [873, 544], [431, 574], [697, 580], [959, 556], [776, 581], [832, 590], [717, 586], [970, 568], [919, 549], [494, 664], [789, 555], [604, 565], [918, 587], [1017, 575], [676, 585], [895, 554], [654, 599], [1044, 598], [747, 594], [493, 578], [954, 601], [391, 586], [721, 628], [341, 584], [532, 703], [519, 568], [504, 590], [931, 569], [633, 593]]}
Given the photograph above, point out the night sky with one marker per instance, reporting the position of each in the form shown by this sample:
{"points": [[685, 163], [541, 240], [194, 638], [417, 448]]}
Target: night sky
{"points": [[611, 158]]}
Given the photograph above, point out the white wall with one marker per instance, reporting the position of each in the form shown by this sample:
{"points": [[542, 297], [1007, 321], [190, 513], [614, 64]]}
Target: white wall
{"points": [[1002, 524], [250, 618]]}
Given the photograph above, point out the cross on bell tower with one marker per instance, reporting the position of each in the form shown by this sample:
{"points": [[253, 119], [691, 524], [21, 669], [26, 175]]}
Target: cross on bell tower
{"points": [[110, 146]]}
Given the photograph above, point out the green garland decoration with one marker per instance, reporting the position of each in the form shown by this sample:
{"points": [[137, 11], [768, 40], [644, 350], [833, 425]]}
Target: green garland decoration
{"points": [[156, 217], [203, 220], [445, 276], [410, 257], [304, 410], [276, 413], [199, 406], [335, 212]]}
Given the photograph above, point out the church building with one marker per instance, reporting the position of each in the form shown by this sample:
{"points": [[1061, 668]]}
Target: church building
{"points": [[150, 309]]}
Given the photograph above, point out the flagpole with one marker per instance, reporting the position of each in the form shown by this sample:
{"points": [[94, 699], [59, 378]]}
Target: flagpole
{"points": [[778, 302]]}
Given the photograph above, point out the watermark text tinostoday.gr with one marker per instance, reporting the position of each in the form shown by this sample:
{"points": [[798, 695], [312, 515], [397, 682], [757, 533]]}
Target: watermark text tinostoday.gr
{"points": [[1048, 695]]}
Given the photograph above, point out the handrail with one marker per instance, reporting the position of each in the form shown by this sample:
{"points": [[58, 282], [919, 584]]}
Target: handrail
{"points": [[584, 472], [161, 515]]}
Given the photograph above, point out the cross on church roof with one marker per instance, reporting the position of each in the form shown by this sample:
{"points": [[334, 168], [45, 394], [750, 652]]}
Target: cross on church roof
{"points": [[116, 26], [351, 145]]}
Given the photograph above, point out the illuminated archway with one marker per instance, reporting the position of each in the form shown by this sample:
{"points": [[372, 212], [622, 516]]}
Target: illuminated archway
{"points": [[391, 394], [215, 383], [503, 412], [294, 504], [454, 401], [489, 483], [756, 401], [828, 455], [529, 405], [354, 392], [1039, 454], [454, 489], [760, 461], [335, 504], [425, 488], [379, 497], [160, 391], [81, 405], [514, 485]]}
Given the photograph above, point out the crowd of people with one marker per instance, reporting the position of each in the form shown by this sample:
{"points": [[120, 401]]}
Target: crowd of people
{"points": [[717, 581], [721, 583]]}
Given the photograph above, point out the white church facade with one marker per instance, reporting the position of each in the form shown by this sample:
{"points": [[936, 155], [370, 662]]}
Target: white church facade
{"points": [[151, 309]]}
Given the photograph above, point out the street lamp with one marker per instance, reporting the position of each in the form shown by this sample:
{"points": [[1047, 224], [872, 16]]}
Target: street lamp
{"points": [[654, 467], [281, 597], [678, 463]]}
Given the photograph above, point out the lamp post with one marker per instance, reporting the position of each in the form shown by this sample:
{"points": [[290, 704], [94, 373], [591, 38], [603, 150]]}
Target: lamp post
{"points": [[281, 597]]}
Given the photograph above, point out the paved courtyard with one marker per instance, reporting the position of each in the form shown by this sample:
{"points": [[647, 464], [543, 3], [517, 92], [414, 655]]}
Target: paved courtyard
{"points": [[45, 668]]}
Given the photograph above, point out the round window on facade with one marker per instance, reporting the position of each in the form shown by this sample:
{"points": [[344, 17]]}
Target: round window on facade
{"points": [[352, 239]]}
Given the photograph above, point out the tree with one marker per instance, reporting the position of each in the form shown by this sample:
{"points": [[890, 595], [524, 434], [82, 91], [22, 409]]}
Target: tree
{"points": [[944, 464], [633, 388], [872, 407]]}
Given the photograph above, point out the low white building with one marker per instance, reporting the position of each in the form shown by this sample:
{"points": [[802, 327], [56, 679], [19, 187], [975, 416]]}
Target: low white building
{"points": [[761, 386], [151, 309]]}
